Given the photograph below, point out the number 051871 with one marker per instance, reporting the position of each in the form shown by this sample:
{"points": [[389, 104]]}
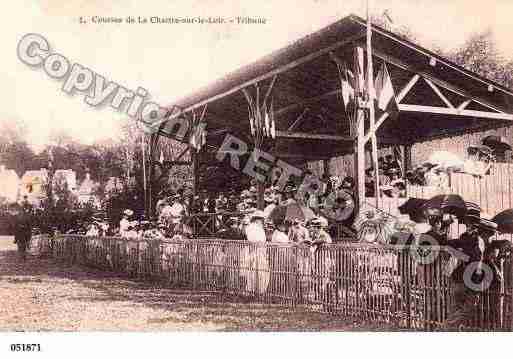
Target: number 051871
{"points": [[25, 347]]}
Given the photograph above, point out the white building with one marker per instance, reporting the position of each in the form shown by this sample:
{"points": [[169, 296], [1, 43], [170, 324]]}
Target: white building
{"points": [[32, 185], [66, 176], [9, 184]]}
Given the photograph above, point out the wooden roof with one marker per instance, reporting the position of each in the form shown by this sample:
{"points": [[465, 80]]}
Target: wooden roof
{"points": [[437, 97]]}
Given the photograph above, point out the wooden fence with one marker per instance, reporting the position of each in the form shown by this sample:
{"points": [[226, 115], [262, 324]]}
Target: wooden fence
{"points": [[381, 284], [493, 192]]}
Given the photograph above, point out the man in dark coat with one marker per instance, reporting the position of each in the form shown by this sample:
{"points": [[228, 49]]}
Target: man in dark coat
{"points": [[467, 276], [22, 230]]}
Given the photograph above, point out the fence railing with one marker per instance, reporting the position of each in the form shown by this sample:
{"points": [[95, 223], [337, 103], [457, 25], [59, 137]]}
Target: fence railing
{"points": [[382, 284]]}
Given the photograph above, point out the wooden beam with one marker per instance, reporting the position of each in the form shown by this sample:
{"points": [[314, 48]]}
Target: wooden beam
{"points": [[302, 156], [380, 121], [429, 56], [305, 102], [269, 90], [400, 96], [298, 120], [455, 112], [464, 104], [279, 70], [406, 89], [217, 132], [312, 136], [184, 151], [441, 83], [440, 94]]}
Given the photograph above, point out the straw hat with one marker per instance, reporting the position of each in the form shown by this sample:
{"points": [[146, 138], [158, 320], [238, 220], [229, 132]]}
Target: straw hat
{"points": [[128, 212]]}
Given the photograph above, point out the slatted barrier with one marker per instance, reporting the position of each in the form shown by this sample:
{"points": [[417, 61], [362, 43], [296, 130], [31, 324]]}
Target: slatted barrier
{"points": [[373, 283]]}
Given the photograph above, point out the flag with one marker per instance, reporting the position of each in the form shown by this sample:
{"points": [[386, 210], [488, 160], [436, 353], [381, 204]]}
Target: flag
{"points": [[267, 124], [198, 136], [273, 123], [359, 72], [251, 123], [346, 85], [385, 96]]}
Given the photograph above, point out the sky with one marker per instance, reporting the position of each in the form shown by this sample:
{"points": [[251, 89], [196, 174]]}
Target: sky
{"points": [[171, 61]]}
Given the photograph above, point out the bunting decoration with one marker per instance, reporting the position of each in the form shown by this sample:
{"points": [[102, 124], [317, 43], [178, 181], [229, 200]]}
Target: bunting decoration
{"points": [[198, 133], [385, 96], [382, 95], [262, 124]]}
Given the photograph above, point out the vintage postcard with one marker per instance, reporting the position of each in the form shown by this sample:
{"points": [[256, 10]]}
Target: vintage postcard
{"points": [[238, 166]]}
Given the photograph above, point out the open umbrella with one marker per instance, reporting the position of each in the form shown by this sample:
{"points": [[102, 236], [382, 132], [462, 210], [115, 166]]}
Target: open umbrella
{"points": [[414, 208], [291, 211], [496, 143], [479, 150], [504, 221], [448, 203]]}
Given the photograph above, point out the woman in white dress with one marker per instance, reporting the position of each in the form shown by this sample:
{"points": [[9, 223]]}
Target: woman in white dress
{"points": [[254, 255]]}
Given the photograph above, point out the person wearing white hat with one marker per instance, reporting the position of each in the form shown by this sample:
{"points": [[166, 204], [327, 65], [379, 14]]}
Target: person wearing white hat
{"points": [[125, 225], [255, 230]]}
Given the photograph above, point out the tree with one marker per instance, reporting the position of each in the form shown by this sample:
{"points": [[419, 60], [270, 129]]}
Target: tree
{"points": [[480, 55], [15, 152]]}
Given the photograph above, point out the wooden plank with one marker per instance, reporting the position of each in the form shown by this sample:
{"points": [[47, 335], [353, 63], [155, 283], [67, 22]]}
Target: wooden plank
{"points": [[436, 81], [312, 136], [455, 112], [440, 95]]}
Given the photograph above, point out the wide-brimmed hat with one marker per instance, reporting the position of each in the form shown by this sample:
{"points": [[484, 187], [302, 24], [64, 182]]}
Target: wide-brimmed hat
{"points": [[349, 180], [432, 212], [473, 212], [258, 214], [128, 212], [496, 143], [289, 188], [315, 222], [393, 171], [487, 225]]}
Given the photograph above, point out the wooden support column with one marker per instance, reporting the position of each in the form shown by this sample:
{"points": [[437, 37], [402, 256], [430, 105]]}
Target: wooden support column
{"points": [[260, 195], [151, 193], [407, 166], [359, 159], [195, 168], [326, 167]]}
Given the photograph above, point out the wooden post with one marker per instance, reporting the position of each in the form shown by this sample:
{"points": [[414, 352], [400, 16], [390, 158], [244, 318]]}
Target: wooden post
{"points": [[326, 167], [360, 158], [195, 167], [360, 127], [407, 165], [370, 103], [260, 195]]}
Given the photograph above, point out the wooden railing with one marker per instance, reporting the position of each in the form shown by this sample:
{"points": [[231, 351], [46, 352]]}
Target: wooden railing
{"points": [[382, 284], [208, 225]]}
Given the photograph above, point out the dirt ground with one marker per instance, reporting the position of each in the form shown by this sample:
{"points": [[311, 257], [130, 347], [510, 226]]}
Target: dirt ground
{"points": [[42, 295]]}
